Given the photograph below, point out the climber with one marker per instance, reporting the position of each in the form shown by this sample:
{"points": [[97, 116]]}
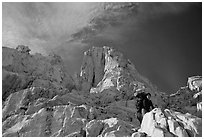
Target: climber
{"points": [[147, 104], [143, 105], [139, 105]]}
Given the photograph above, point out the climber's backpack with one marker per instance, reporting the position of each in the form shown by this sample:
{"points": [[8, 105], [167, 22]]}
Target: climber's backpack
{"points": [[139, 101]]}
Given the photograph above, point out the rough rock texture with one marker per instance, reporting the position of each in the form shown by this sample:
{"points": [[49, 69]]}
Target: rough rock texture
{"points": [[55, 121], [92, 69], [188, 98], [22, 70], [40, 99], [195, 83], [119, 79], [168, 123]]}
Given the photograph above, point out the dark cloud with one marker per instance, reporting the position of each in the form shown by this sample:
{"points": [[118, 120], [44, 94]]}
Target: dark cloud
{"points": [[112, 14], [115, 14]]}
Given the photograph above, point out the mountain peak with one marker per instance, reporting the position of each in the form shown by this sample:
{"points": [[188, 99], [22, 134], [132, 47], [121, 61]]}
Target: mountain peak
{"points": [[105, 68]]}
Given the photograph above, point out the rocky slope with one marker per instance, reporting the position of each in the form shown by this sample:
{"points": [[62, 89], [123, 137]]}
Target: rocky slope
{"points": [[21, 70], [188, 98], [41, 99]]}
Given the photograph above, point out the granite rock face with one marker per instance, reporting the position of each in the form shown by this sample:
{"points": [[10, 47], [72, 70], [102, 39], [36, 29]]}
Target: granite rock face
{"points": [[40, 99]]}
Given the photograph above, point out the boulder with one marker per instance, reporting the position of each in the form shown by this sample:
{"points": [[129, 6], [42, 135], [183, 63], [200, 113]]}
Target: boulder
{"points": [[158, 123], [94, 128], [114, 127], [80, 112]]}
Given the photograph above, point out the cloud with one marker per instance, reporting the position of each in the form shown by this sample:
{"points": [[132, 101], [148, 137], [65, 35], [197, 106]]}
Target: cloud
{"points": [[116, 14], [158, 9], [44, 25], [111, 14]]}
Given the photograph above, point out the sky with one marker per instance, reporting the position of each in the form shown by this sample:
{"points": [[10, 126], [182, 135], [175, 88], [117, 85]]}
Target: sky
{"points": [[163, 40]]}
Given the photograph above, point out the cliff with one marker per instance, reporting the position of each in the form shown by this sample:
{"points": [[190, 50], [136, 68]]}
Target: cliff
{"points": [[110, 77]]}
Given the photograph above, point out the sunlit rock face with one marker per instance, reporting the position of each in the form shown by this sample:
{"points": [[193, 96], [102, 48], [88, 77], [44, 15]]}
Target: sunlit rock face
{"points": [[40, 99], [32, 112], [168, 123], [111, 77], [54, 121]]}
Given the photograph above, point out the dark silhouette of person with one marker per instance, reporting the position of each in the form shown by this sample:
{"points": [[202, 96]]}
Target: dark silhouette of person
{"points": [[139, 105], [147, 104], [143, 105]]}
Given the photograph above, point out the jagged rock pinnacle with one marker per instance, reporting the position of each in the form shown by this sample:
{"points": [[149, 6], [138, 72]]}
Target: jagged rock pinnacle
{"points": [[106, 71]]}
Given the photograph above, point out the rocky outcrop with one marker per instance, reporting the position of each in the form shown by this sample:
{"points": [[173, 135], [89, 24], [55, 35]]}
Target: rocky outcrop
{"points": [[41, 100], [116, 79], [23, 117], [22, 70], [55, 121], [13, 82], [31, 100], [168, 123], [188, 98], [195, 83], [23, 49], [111, 127], [92, 69]]}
